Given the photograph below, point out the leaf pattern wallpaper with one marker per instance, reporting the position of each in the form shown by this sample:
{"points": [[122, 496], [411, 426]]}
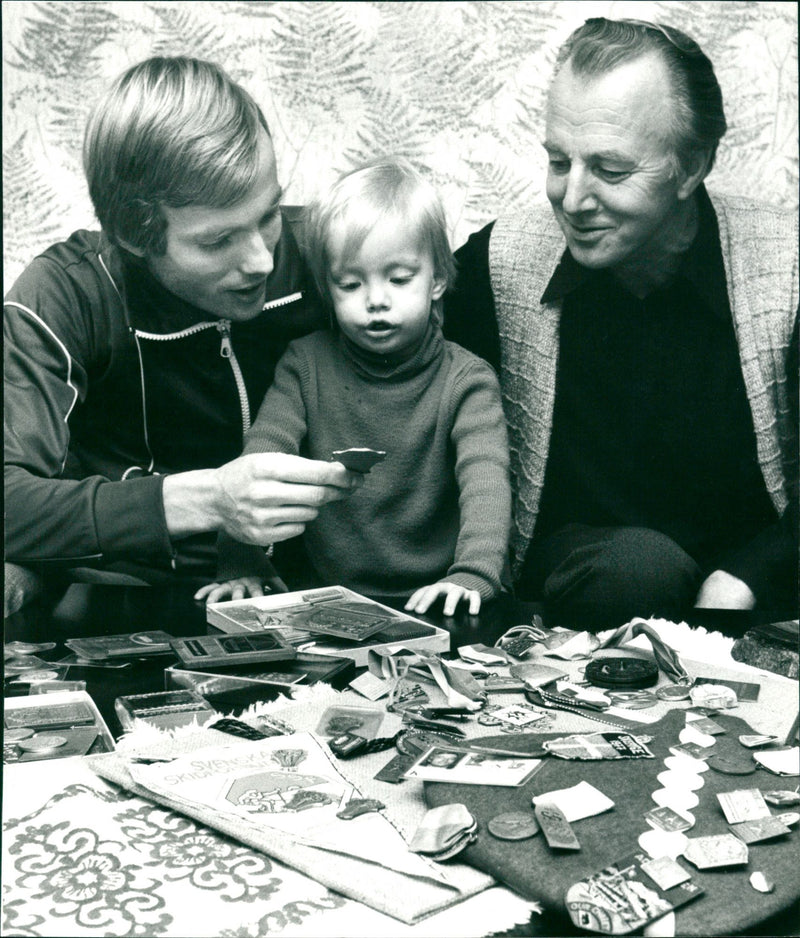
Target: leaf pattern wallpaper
{"points": [[457, 87]]}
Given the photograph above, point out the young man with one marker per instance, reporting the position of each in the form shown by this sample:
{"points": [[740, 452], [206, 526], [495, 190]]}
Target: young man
{"points": [[645, 333], [134, 357]]}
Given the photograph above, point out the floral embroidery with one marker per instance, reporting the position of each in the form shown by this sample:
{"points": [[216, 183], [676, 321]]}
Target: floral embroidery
{"points": [[185, 850], [293, 913], [79, 876]]}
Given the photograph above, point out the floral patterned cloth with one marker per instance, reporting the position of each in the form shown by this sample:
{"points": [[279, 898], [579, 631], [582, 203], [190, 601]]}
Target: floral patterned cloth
{"points": [[81, 857]]}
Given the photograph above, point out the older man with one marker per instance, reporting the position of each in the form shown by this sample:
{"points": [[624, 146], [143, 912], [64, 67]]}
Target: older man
{"points": [[645, 333], [134, 357]]}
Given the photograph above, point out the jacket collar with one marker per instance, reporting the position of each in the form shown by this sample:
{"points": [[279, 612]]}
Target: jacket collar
{"points": [[153, 308]]}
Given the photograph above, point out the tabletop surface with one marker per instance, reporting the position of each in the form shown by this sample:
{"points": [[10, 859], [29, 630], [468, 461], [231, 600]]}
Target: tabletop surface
{"points": [[109, 610]]}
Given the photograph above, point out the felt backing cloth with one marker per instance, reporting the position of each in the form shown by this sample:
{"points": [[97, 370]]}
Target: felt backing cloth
{"points": [[729, 905]]}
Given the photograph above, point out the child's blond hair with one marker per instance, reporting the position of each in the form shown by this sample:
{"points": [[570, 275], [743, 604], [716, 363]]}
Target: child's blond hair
{"points": [[377, 191]]}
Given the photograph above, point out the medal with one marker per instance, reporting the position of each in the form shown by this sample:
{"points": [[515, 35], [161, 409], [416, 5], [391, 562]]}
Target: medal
{"points": [[515, 825], [41, 742], [673, 692]]}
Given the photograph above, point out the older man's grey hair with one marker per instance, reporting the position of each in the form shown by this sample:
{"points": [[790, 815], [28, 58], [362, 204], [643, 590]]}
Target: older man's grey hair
{"points": [[601, 45]]}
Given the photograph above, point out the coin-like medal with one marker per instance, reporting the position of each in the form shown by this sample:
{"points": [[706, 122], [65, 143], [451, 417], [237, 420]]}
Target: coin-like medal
{"points": [[42, 742], [514, 825]]}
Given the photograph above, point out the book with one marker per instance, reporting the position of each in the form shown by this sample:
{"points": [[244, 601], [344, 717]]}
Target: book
{"points": [[298, 616]]}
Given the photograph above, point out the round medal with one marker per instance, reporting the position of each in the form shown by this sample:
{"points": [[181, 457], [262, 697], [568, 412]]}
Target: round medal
{"points": [[515, 825], [26, 663], [673, 692], [42, 741], [37, 677], [16, 733]]}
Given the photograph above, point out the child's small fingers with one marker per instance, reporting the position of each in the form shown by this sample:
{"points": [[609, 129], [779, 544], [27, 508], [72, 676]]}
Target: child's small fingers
{"points": [[474, 602], [452, 599]]}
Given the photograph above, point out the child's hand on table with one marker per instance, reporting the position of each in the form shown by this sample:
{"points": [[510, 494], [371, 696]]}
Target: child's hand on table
{"points": [[240, 588], [423, 598]]}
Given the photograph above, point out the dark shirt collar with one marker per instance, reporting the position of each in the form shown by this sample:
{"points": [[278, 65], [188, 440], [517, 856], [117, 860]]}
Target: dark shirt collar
{"points": [[701, 266]]}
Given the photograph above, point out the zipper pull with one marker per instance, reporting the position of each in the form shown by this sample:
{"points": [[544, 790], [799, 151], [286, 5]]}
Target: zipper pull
{"points": [[225, 349]]}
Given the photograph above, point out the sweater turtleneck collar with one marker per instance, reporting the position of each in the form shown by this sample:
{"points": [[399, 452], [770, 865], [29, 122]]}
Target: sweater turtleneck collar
{"points": [[391, 368]]}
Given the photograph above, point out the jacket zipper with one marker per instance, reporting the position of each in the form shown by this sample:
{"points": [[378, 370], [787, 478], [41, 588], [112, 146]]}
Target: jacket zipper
{"points": [[226, 351]]}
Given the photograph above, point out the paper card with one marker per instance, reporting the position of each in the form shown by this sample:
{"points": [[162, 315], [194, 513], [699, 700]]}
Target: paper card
{"points": [[370, 686], [623, 898], [744, 804], [443, 764], [716, 850], [580, 801]]}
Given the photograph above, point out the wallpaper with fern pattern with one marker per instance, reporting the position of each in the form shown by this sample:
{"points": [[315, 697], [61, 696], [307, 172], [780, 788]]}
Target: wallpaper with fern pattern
{"points": [[457, 87]]}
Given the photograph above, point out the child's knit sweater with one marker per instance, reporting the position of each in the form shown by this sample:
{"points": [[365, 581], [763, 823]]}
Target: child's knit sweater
{"points": [[438, 507]]}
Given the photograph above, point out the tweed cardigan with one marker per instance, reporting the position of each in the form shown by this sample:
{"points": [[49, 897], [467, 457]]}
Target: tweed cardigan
{"points": [[760, 252]]}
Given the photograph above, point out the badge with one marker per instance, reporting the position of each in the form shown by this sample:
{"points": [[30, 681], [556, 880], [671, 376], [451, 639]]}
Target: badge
{"points": [[514, 825], [358, 458], [788, 817], [555, 827], [753, 742], [666, 872], [521, 715], [691, 750], [591, 746], [355, 807], [706, 725], [632, 700], [765, 828], [624, 897], [716, 850], [760, 882], [667, 819], [778, 797]]}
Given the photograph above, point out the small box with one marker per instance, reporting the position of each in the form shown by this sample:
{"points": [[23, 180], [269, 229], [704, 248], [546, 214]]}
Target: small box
{"points": [[232, 688], [53, 726], [165, 709]]}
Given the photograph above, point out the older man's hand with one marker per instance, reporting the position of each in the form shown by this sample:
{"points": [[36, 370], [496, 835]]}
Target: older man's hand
{"points": [[722, 590]]}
